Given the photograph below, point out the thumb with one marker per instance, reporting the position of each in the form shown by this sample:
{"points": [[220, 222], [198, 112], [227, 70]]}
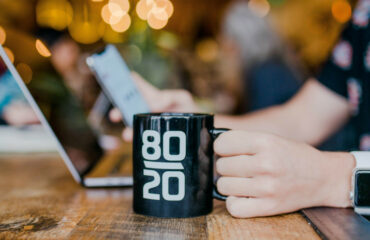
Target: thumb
{"points": [[127, 135]]}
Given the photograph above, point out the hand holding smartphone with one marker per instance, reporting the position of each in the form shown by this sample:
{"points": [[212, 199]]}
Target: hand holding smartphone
{"points": [[116, 81]]}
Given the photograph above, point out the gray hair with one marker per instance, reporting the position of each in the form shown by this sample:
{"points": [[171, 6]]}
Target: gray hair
{"points": [[253, 35]]}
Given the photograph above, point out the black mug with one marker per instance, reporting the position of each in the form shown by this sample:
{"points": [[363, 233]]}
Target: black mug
{"points": [[173, 164]]}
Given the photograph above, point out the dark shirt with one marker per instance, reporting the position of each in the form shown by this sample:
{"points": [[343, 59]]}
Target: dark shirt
{"points": [[347, 71], [269, 83]]}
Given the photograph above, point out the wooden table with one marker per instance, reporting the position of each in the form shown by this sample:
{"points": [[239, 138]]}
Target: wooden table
{"points": [[40, 200]]}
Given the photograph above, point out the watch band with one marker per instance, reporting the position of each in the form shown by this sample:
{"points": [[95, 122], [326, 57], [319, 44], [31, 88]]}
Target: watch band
{"points": [[362, 160], [362, 163]]}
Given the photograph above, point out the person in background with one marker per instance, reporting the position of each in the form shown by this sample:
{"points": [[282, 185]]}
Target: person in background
{"points": [[69, 62], [267, 163], [269, 71], [14, 109]]}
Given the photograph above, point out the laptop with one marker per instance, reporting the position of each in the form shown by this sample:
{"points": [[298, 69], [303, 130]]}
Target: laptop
{"points": [[77, 142]]}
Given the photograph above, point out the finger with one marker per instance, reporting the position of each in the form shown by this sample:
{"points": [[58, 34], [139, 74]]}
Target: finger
{"points": [[150, 93], [127, 134], [142, 84], [115, 115], [237, 142], [241, 187], [158, 101], [176, 100], [241, 207], [238, 166], [164, 100]]}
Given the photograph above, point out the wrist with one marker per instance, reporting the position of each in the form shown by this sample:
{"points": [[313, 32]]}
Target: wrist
{"points": [[338, 178]]}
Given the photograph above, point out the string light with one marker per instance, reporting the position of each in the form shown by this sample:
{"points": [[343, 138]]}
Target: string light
{"points": [[341, 11], [9, 53], [2, 36], [260, 7], [42, 49], [156, 12]]}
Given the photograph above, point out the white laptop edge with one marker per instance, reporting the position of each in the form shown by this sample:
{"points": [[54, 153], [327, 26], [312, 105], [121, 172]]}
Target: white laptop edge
{"points": [[39, 114]]}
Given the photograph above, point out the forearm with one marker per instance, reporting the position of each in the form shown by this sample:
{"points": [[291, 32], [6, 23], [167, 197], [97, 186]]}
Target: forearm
{"points": [[272, 120], [311, 116], [282, 121]]}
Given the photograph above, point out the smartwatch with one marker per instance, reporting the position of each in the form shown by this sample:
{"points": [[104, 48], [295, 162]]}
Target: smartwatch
{"points": [[360, 194]]}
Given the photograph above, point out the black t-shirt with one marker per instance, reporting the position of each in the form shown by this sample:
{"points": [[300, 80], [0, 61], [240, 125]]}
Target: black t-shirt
{"points": [[347, 71]]}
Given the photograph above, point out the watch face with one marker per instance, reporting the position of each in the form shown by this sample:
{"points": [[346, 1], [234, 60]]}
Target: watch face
{"points": [[362, 189]]}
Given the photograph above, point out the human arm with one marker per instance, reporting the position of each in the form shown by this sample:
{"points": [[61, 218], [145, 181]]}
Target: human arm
{"points": [[312, 115], [19, 114], [14, 109]]}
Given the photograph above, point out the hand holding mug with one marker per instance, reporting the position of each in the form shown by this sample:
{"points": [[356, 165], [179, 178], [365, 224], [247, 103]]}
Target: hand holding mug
{"points": [[265, 175]]}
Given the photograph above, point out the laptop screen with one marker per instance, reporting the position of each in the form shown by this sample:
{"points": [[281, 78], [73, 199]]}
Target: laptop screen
{"points": [[63, 112]]}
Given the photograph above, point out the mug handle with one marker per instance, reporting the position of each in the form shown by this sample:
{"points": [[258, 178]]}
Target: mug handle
{"points": [[215, 133]]}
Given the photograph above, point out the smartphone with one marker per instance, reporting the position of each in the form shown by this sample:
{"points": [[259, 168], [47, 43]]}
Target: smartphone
{"points": [[116, 81]]}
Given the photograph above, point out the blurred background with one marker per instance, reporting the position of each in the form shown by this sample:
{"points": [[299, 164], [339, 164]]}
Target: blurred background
{"points": [[234, 56]]}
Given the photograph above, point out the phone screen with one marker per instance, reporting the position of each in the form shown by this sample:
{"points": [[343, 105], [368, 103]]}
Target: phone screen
{"points": [[115, 77]]}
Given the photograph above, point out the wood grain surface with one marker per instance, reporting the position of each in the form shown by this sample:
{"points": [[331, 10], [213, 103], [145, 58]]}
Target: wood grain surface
{"points": [[40, 200]]}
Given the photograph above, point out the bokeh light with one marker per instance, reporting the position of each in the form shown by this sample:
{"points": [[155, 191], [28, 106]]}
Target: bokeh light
{"points": [[54, 14], [207, 50], [155, 22], [260, 7], [123, 24], [115, 13], [25, 71], [159, 13], [167, 40], [86, 32], [9, 53], [143, 8], [2, 35], [166, 5], [42, 49], [341, 10], [156, 12], [123, 5], [106, 14]]}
